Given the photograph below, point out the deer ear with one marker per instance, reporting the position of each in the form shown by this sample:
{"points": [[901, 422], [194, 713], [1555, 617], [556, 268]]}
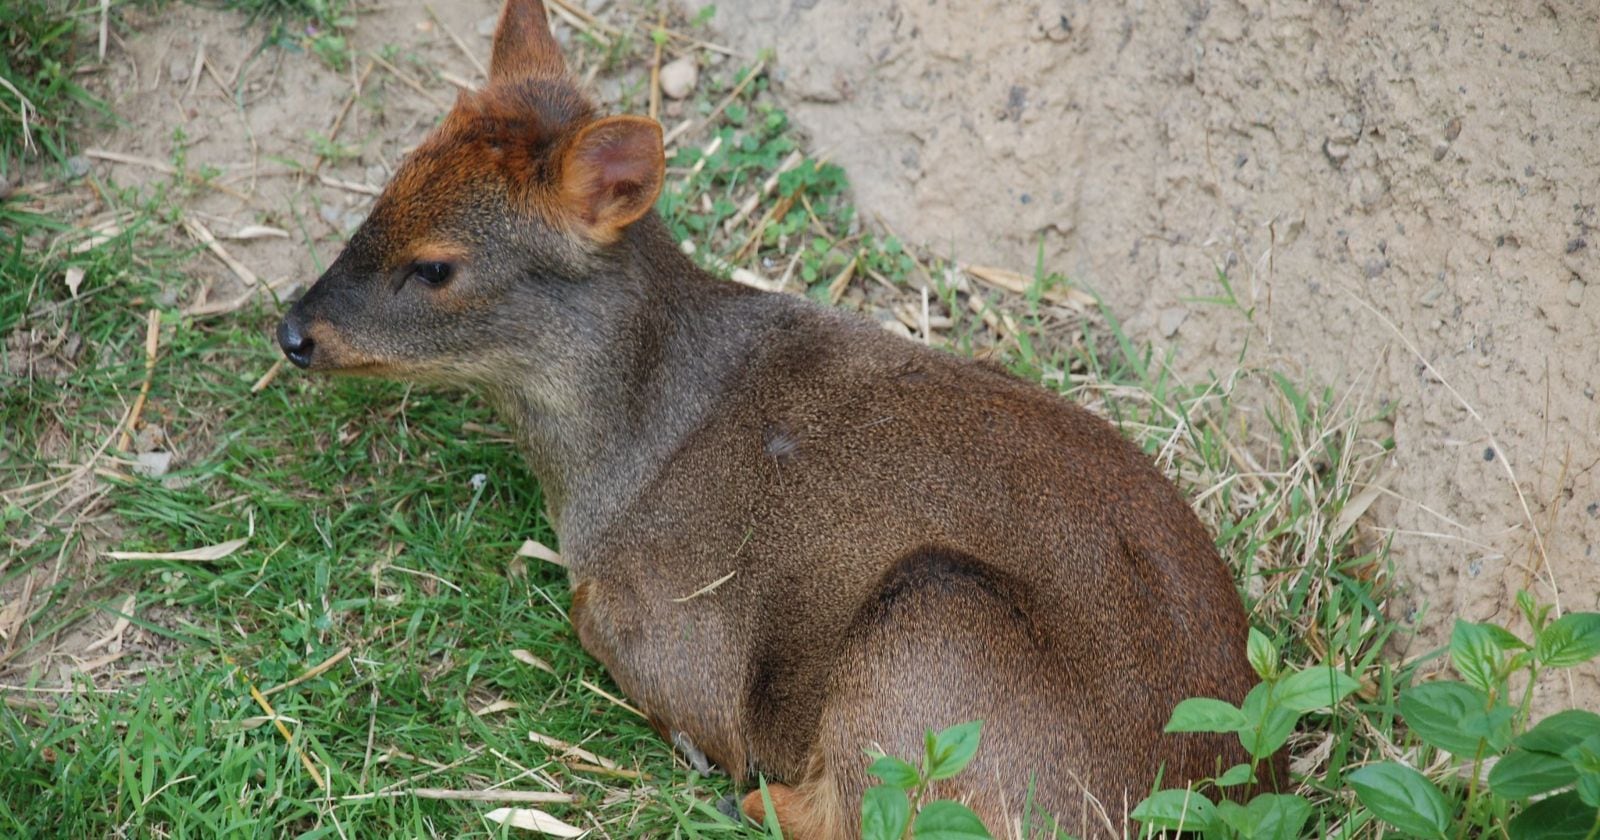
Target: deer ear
{"points": [[611, 174], [523, 45]]}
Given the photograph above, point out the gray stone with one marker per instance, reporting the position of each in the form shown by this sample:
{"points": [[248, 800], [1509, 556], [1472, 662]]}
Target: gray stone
{"points": [[679, 78]]}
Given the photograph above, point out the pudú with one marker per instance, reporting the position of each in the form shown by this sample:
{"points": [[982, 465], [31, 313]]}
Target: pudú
{"points": [[901, 539]]}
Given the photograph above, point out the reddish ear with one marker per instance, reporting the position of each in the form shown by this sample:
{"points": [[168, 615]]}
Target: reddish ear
{"points": [[523, 45], [612, 173]]}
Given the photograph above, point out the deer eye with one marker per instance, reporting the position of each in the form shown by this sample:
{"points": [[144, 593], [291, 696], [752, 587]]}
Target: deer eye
{"points": [[432, 273]]}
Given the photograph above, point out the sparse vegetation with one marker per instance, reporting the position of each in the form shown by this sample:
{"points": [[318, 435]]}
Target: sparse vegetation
{"points": [[41, 102], [1472, 726]]}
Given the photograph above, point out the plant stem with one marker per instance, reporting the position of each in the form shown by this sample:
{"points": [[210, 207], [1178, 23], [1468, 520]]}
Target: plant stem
{"points": [[1527, 694]]}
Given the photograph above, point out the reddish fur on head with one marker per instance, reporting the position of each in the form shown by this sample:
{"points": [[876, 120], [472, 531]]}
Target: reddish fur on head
{"points": [[532, 130], [523, 44], [521, 178]]}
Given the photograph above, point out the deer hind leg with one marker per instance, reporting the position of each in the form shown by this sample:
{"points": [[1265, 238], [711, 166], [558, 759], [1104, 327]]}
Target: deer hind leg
{"points": [[943, 642], [808, 811]]}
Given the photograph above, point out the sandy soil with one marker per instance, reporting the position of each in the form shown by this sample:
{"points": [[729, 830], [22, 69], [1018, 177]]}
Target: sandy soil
{"points": [[1404, 192]]}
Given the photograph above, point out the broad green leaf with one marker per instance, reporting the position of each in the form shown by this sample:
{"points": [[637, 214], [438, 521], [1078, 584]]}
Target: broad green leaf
{"points": [[1314, 688], [1266, 728], [1269, 816], [1238, 774], [894, 771], [1262, 655], [1234, 816], [1493, 726], [1203, 714], [1402, 797], [1475, 654], [1520, 774], [1585, 755], [1560, 817], [1570, 640], [885, 813], [946, 820], [1176, 808], [952, 750], [1559, 732], [1434, 711], [1505, 639], [1589, 788], [1278, 816]]}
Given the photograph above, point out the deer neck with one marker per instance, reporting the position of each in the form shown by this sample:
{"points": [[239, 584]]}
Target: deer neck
{"points": [[667, 352]]}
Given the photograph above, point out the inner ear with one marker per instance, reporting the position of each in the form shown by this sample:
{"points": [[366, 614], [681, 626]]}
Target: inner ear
{"points": [[611, 175], [524, 47]]}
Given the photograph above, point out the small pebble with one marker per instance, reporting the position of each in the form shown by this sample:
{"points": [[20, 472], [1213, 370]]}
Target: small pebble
{"points": [[679, 77], [152, 464], [486, 26], [178, 70], [77, 166], [150, 438], [1170, 319], [1337, 150]]}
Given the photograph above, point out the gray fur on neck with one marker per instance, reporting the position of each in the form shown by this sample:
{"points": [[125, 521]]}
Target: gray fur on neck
{"points": [[597, 432]]}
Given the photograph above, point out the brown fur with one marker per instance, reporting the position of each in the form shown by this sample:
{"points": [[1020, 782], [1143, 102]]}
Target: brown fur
{"points": [[910, 540]]}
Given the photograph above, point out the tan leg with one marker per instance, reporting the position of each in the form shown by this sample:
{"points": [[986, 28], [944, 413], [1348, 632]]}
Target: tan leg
{"points": [[808, 812]]}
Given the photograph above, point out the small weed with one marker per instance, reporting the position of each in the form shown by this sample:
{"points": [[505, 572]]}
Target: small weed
{"points": [[319, 13], [901, 807], [332, 151], [1544, 781], [315, 26]]}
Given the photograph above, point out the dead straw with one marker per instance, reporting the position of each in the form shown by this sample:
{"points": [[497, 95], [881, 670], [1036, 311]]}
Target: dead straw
{"points": [[152, 340]]}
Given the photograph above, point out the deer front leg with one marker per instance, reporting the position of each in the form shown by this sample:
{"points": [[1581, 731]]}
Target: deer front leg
{"points": [[675, 661]]}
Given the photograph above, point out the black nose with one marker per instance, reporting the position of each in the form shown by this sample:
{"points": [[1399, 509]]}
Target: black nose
{"points": [[295, 343]]}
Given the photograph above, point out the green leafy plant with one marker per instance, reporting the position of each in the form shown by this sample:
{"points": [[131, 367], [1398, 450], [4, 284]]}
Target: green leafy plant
{"points": [[1544, 782], [898, 808], [1478, 718], [1263, 723]]}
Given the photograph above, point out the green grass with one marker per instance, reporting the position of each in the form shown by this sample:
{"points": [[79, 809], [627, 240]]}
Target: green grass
{"points": [[368, 529], [40, 102]]}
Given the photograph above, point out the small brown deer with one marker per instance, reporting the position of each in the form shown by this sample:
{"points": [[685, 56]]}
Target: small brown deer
{"points": [[792, 536]]}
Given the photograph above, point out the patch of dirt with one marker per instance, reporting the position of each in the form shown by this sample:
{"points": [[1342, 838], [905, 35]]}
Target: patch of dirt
{"points": [[288, 142], [1371, 177]]}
